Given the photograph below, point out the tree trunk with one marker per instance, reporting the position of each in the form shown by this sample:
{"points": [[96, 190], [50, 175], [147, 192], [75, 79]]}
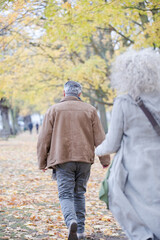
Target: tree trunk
{"points": [[144, 17], [14, 121], [103, 118], [5, 131]]}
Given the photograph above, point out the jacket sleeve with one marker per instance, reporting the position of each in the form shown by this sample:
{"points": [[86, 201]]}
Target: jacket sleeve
{"points": [[113, 139], [99, 136], [44, 140]]}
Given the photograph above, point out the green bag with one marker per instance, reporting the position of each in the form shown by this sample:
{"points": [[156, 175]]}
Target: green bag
{"points": [[104, 189]]}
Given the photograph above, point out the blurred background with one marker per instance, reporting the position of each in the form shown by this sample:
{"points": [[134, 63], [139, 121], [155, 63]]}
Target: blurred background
{"points": [[44, 43]]}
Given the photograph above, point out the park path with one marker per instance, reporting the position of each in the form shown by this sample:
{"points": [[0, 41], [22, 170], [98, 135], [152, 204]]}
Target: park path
{"points": [[29, 206]]}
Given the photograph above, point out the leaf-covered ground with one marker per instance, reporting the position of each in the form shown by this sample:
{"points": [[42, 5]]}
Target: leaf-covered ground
{"points": [[29, 205]]}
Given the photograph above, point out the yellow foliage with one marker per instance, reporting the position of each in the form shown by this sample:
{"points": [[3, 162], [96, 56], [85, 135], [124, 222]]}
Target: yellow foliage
{"points": [[42, 48], [66, 5]]}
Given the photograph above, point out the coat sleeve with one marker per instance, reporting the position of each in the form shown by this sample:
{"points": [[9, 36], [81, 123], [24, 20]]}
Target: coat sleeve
{"points": [[44, 140], [113, 138], [99, 136]]}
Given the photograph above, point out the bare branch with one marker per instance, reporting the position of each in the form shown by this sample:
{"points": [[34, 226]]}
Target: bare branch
{"points": [[142, 9]]}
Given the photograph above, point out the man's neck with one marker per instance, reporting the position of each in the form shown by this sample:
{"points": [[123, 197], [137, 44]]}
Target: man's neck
{"points": [[72, 95]]}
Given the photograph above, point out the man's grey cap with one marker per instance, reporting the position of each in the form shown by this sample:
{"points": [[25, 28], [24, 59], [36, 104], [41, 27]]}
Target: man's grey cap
{"points": [[72, 88]]}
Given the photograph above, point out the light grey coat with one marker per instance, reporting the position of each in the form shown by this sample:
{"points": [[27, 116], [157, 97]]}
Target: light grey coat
{"points": [[134, 182]]}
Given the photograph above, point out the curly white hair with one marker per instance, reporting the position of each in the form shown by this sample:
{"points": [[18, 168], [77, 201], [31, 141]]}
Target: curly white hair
{"points": [[136, 72]]}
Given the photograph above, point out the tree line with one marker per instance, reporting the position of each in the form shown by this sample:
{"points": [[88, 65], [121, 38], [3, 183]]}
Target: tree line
{"points": [[44, 43]]}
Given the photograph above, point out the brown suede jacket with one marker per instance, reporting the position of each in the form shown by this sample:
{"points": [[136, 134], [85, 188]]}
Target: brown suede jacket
{"points": [[70, 131]]}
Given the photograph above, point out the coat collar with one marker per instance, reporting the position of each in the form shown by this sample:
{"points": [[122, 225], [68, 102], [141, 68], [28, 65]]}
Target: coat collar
{"points": [[70, 98]]}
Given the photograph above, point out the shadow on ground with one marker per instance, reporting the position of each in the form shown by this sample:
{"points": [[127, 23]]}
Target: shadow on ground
{"points": [[100, 235]]}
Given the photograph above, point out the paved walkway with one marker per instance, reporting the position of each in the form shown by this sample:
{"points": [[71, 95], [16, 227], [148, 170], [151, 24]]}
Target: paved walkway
{"points": [[29, 206]]}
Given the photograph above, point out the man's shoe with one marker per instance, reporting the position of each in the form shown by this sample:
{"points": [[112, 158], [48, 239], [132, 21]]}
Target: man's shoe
{"points": [[81, 236], [73, 231]]}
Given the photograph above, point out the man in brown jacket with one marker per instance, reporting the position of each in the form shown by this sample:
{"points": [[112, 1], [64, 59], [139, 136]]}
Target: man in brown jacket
{"points": [[70, 131]]}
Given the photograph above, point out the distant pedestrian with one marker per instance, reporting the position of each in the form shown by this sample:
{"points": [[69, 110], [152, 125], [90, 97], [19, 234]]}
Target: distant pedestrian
{"points": [[134, 180], [37, 128], [30, 127], [66, 142]]}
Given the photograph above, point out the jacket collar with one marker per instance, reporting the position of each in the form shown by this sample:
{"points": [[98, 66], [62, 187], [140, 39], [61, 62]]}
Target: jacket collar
{"points": [[70, 98]]}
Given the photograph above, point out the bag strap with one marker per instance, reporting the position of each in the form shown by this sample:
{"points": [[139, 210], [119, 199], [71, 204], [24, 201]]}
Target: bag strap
{"points": [[148, 114]]}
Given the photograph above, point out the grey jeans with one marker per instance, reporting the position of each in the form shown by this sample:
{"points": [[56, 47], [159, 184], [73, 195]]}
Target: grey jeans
{"points": [[72, 179]]}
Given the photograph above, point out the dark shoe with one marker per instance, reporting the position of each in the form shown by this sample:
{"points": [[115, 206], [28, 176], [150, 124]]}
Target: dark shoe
{"points": [[73, 231]]}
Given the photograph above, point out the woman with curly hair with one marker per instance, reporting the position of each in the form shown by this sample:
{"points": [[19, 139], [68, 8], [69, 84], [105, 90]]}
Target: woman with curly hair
{"points": [[134, 180]]}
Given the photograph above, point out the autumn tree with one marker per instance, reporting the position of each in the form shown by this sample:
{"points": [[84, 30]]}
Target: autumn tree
{"points": [[93, 32], [45, 43]]}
